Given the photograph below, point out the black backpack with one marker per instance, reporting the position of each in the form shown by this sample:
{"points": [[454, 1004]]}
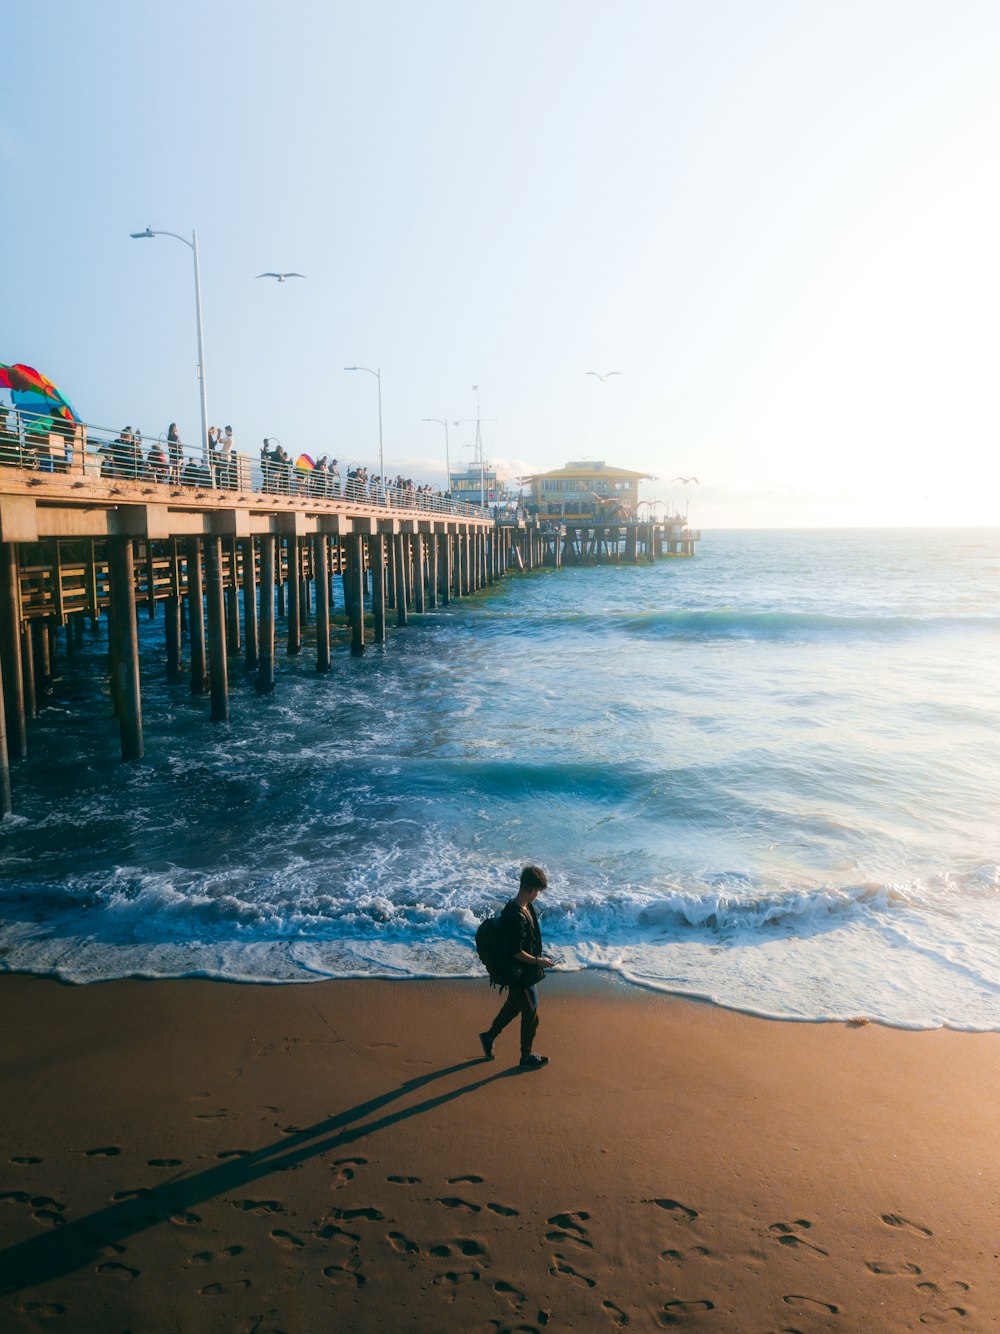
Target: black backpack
{"points": [[493, 950]]}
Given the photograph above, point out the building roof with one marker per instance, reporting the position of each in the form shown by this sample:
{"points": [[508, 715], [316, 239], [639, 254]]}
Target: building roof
{"points": [[588, 468]]}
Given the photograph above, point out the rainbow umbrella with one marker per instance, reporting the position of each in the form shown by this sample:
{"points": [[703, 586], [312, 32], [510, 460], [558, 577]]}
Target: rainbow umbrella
{"points": [[305, 463], [35, 395]]}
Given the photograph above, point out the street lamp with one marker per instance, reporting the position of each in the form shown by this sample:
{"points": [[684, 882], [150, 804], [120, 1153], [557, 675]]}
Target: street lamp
{"points": [[447, 457], [192, 245], [378, 376]]}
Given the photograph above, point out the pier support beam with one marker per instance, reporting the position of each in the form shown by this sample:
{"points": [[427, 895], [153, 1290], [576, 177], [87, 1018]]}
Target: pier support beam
{"points": [[294, 598], [432, 571], [398, 559], [265, 654], [125, 649], [233, 600], [249, 604], [376, 559], [356, 572], [10, 653], [5, 804], [42, 655], [322, 568], [419, 573], [28, 671], [172, 637], [219, 669], [196, 616], [444, 585]]}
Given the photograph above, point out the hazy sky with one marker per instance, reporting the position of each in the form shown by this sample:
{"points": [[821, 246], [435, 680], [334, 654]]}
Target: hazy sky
{"points": [[780, 222]]}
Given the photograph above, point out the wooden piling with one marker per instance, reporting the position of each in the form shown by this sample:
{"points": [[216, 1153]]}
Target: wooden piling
{"points": [[444, 586], [322, 568], [218, 666], [376, 559], [233, 601], [196, 616], [356, 567], [10, 653], [265, 652], [408, 567], [419, 573], [125, 658], [294, 598], [5, 802], [28, 671], [249, 603], [432, 571], [398, 559], [172, 637]]}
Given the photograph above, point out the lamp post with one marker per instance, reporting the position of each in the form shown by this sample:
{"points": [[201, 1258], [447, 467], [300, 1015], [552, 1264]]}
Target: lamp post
{"points": [[378, 376], [192, 245], [447, 456]]}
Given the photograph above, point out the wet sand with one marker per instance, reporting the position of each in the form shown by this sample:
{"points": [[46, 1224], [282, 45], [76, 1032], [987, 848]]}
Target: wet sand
{"points": [[206, 1156]]}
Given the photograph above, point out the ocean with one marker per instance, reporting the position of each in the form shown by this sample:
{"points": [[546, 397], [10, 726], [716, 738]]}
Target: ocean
{"points": [[768, 776]]}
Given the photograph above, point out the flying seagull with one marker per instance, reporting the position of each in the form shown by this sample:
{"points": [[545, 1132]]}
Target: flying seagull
{"points": [[685, 480], [600, 376], [281, 276]]}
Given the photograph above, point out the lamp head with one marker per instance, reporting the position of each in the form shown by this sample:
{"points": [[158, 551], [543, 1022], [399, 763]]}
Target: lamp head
{"points": [[141, 236]]}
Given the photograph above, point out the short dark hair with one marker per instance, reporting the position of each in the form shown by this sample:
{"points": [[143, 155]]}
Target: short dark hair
{"points": [[533, 877]]}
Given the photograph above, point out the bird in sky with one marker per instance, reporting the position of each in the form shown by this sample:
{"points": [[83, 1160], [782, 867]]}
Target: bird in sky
{"points": [[281, 276], [600, 376], [685, 480]]}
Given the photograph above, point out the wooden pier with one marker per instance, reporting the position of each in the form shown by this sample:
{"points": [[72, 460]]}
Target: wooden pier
{"points": [[227, 565]]}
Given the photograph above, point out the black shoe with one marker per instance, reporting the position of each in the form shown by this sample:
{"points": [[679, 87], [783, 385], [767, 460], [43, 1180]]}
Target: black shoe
{"points": [[533, 1062], [487, 1045]]}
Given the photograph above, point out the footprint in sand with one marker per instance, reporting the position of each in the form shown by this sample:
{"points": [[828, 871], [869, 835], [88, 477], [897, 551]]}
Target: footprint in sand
{"points": [[27, 1162], [344, 1274], [343, 1171], [811, 1304], [675, 1313], [233, 1153], [682, 1257], [259, 1207], [616, 1313], [561, 1267], [956, 1285], [896, 1220], [224, 1289], [402, 1244], [947, 1317], [888, 1268], [679, 1211], [110, 1151], [463, 1246], [210, 1257], [164, 1162], [471, 1180], [452, 1278], [114, 1270], [44, 1310], [184, 1219], [211, 1116], [786, 1236], [287, 1239], [403, 1181], [514, 1295], [504, 1210], [452, 1202], [140, 1193], [569, 1229], [363, 1215], [331, 1232]]}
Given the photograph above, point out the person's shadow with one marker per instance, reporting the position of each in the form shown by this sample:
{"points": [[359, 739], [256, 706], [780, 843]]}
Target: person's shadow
{"points": [[73, 1245]]}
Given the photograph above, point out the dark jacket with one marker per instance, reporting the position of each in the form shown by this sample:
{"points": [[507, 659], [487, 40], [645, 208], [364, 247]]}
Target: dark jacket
{"points": [[523, 935]]}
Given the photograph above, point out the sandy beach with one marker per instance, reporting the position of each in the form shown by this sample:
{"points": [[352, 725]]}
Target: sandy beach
{"points": [[206, 1156]]}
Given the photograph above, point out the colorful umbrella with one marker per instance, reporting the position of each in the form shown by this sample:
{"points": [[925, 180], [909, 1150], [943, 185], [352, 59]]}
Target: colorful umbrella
{"points": [[305, 463], [34, 395]]}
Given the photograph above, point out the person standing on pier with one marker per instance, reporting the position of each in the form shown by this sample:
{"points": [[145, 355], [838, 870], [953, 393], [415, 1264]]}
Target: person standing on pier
{"points": [[527, 968]]}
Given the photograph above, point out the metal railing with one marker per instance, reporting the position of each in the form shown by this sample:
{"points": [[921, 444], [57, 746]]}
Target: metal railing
{"points": [[43, 444]]}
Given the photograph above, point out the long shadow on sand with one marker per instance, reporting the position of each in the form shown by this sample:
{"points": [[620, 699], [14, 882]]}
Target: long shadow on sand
{"points": [[76, 1244]]}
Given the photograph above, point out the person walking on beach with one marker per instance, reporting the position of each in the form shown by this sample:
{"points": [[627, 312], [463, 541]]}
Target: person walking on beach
{"points": [[527, 968]]}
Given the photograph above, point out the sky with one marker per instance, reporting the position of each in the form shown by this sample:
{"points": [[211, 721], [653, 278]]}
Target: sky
{"points": [[779, 222]]}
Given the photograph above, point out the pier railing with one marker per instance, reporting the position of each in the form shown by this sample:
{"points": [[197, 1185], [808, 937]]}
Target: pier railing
{"points": [[43, 444]]}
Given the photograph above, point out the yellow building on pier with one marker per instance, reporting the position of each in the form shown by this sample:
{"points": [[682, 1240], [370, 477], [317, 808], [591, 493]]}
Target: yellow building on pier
{"points": [[584, 490]]}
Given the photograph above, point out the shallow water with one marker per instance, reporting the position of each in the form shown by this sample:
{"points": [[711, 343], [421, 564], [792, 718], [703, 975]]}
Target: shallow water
{"points": [[766, 776]]}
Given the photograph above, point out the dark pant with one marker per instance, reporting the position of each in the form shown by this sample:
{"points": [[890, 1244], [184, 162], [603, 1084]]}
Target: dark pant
{"points": [[521, 1001]]}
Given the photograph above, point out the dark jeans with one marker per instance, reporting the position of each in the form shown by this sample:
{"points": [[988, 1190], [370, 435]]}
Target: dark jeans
{"points": [[521, 1001]]}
